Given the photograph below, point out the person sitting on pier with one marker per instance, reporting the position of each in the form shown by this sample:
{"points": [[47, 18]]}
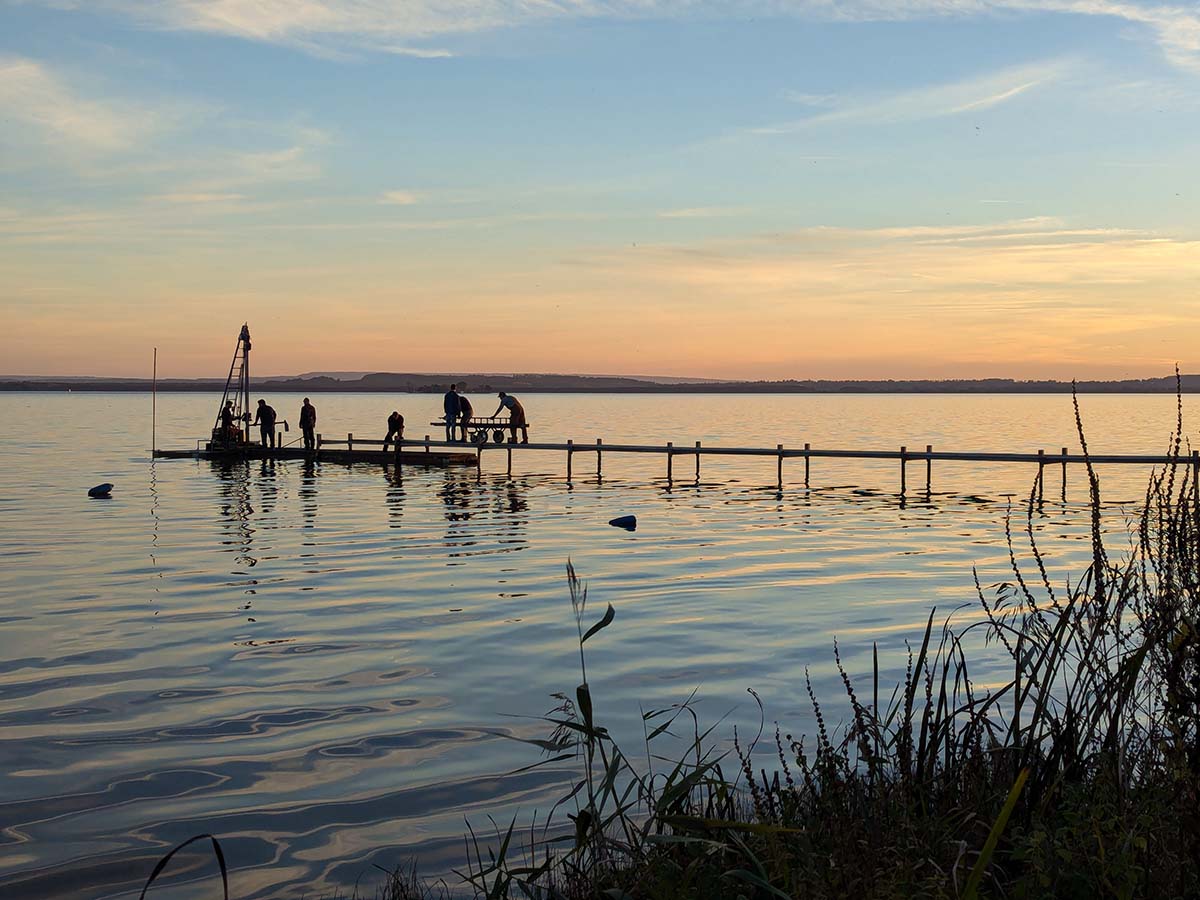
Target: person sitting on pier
{"points": [[465, 411], [265, 420], [395, 429], [450, 404], [516, 416], [308, 424]]}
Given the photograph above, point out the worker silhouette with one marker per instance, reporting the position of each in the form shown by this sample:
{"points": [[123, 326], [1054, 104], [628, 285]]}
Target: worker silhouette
{"points": [[265, 420], [451, 404], [308, 424], [395, 429], [516, 416], [465, 411]]}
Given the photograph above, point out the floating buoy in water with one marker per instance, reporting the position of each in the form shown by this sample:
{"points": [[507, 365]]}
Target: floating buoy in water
{"points": [[629, 523], [101, 491]]}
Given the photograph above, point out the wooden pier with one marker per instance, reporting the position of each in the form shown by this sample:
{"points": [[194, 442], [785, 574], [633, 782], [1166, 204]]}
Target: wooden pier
{"points": [[441, 453], [351, 450], [808, 453]]}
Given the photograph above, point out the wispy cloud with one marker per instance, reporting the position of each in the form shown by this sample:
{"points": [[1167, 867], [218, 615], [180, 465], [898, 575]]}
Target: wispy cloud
{"points": [[931, 102], [198, 198], [399, 198], [701, 212], [332, 26], [32, 94]]}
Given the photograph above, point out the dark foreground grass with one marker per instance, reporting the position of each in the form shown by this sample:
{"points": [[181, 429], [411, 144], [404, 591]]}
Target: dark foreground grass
{"points": [[1076, 778]]}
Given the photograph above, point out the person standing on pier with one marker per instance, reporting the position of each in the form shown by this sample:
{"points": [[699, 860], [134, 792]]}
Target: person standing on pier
{"points": [[516, 416], [465, 411], [265, 420], [395, 429], [227, 423], [450, 404], [308, 424]]}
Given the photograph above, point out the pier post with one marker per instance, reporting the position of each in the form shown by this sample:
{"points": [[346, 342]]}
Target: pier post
{"points": [[318, 442], [350, 442], [1064, 468], [1041, 471], [779, 467], [570, 453], [426, 443], [697, 460], [670, 458], [599, 458], [928, 468], [903, 470], [509, 449], [479, 461], [806, 449]]}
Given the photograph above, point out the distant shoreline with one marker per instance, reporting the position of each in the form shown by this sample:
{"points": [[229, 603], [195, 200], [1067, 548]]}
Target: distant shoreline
{"points": [[581, 384]]}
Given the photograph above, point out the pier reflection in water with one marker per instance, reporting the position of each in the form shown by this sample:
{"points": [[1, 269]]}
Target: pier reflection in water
{"points": [[348, 715]]}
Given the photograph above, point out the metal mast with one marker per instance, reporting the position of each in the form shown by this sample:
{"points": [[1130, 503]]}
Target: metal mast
{"points": [[237, 389]]}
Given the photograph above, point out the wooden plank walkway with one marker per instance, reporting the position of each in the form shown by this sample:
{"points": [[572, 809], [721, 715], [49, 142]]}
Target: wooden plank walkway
{"points": [[431, 452]]}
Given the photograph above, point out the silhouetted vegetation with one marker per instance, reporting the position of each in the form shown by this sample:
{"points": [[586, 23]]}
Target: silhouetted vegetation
{"points": [[1076, 777]]}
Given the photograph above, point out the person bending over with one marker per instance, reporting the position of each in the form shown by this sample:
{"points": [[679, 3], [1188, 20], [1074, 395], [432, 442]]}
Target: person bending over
{"points": [[395, 429], [465, 411], [516, 416]]}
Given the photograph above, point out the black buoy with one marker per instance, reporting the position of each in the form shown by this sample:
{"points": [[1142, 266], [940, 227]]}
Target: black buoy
{"points": [[101, 491], [629, 523]]}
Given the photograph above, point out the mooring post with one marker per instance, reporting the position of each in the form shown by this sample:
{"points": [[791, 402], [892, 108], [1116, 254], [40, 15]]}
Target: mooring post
{"points": [[599, 455], [903, 469], [670, 458], [928, 467], [479, 461], [426, 443], [318, 442], [570, 453], [509, 448], [697, 460], [350, 442], [1041, 471], [1064, 468], [779, 467], [806, 449]]}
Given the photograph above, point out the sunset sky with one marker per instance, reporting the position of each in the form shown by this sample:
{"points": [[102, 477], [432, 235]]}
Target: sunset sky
{"points": [[752, 189]]}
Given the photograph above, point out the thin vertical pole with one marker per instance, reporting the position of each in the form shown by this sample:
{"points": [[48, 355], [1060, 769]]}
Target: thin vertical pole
{"points": [[570, 453], [1064, 468], [779, 467], [426, 443], [1041, 471], [350, 442], [154, 405], [509, 460], [928, 468], [599, 457], [670, 458], [318, 442], [806, 449], [903, 469], [697, 460], [478, 461]]}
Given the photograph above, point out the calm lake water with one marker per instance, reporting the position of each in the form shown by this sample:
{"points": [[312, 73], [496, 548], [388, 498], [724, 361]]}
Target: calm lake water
{"points": [[321, 663]]}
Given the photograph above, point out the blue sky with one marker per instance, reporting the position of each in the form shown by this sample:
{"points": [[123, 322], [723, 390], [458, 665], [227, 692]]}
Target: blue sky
{"points": [[753, 189]]}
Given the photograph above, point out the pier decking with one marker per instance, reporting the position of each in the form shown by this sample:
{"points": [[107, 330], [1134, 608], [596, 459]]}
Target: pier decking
{"points": [[430, 452]]}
